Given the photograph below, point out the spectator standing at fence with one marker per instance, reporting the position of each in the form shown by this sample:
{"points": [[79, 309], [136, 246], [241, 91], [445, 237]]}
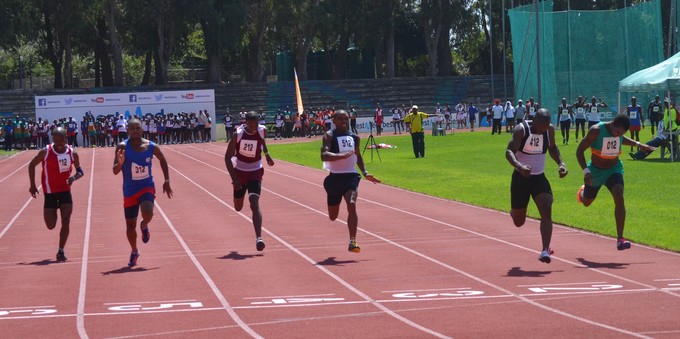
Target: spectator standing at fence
{"points": [[509, 117], [566, 115], [378, 119], [531, 109], [579, 109], [637, 120], [654, 113], [472, 114], [520, 110], [228, 121], [594, 111], [497, 116]]}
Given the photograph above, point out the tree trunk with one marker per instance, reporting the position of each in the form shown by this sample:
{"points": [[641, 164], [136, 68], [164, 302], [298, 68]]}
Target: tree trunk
{"points": [[105, 61], [68, 62], [147, 69], [214, 68], [444, 46], [97, 67], [116, 49], [55, 58], [389, 42], [255, 68], [433, 28], [161, 57]]}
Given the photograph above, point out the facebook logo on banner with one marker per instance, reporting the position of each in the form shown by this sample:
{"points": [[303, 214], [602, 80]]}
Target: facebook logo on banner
{"points": [[42, 102], [133, 97]]}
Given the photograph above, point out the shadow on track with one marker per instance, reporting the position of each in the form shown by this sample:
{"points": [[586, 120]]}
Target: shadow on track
{"points": [[129, 270], [611, 265], [330, 261], [234, 255], [518, 272]]}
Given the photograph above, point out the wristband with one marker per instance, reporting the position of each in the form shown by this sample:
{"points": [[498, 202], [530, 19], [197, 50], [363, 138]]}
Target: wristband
{"points": [[365, 173], [586, 171], [167, 181]]}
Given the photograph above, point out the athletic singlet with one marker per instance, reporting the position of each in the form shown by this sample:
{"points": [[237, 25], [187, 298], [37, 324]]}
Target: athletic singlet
{"points": [[531, 109], [137, 173], [56, 169], [249, 148], [606, 146], [634, 115], [580, 113], [72, 126], [342, 143], [656, 107], [533, 148], [594, 113], [563, 111]]}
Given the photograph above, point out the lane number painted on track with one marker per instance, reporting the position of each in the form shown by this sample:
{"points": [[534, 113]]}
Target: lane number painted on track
{"points": [[412, 295], [161, 306], [283, 301], [27, 311], [596, 287]]}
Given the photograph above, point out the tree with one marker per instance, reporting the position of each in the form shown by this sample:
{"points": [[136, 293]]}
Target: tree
{"points": [[260, 16], [299, 19], [111, 8], [432, 16]]}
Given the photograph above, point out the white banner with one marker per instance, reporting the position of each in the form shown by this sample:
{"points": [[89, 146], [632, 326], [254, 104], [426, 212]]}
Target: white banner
{"points": [[54, 107]]}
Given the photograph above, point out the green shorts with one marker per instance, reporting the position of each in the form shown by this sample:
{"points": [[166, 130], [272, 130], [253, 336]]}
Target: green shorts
{"points": [[600, 175]]}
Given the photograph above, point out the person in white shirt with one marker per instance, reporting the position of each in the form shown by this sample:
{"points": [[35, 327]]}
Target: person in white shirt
{"points": [[497, 116]]}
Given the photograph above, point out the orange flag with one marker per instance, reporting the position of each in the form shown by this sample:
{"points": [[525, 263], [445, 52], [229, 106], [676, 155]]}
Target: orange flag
{"points": [[298, 96]]}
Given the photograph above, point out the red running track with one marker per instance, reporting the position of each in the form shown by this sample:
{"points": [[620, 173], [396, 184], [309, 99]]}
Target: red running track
{"points": [[428, 268]]}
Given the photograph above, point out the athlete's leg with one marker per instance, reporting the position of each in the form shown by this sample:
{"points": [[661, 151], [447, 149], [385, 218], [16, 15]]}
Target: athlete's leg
{"points": [[519, 216], [619, 209], [352, 217], [257, 214], [146, 207], [50, 216], [66, 210], [544, 204], [131, 232]]}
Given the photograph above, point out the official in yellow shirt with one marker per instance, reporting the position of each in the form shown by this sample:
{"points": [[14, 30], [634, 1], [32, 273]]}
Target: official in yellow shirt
{"points": [[415, 118]]}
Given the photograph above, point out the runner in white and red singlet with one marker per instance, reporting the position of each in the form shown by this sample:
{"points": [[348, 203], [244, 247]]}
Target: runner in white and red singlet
{"points": [[57, 160]]}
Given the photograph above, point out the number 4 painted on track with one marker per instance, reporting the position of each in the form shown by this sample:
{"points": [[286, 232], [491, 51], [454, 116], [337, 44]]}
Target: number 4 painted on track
{"points": [[159, 307]]}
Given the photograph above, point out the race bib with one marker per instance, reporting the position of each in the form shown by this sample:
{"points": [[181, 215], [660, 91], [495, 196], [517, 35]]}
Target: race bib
{"points": [[633, 115], [593, 109], [248, 148], [565, 113], [139, 172], [611, 146], [345, 144], [655, 109], [534, 145], [64, 162], [531, 110]]}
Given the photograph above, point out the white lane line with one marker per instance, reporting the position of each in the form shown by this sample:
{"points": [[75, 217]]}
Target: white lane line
{"points": [[440, 263], [673, 279], [292, 296], [150, 302], [80, 319], [207, 277], [463, 229], [565, 284], [669, 292], [429, 289], [22, 307], [325, 270], [16, 216], [16, 170]]}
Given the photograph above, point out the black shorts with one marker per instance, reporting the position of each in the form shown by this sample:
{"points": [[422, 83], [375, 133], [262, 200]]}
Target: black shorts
{"points": [[472, 118], [55, 200], [337, 184], [522, 188], [580, 121], [590, 192], [251, 181], [565, 124]]}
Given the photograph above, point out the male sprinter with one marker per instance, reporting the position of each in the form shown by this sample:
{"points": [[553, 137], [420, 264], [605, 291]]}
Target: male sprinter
{"points": [[341, 155], [605, 141], [57, 160], [134, 158], [246, 173], [526, 153]]}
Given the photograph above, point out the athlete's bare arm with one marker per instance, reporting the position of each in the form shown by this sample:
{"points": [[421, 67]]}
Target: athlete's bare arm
{"points": [[555, 153], [231, 151], [360, 163], [31, 171], [166, 172], [119, 158]]}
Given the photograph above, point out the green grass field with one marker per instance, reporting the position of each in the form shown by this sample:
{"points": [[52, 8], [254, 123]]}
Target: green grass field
{"points": [[471, 168], [6, 154]]}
